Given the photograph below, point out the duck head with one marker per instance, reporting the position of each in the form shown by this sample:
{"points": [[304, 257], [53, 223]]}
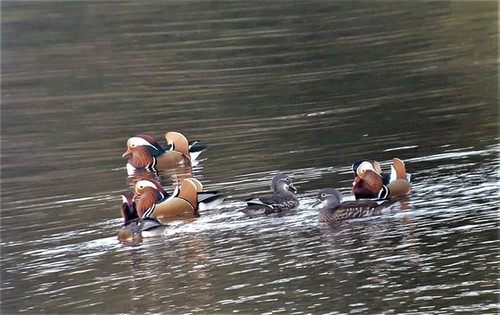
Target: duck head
{"points": [[329, 197], [147, 195], [143, 141], [282, 183], [368, 182]]}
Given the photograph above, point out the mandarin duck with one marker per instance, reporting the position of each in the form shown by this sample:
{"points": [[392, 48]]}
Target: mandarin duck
{"points": [[205, 199], [195, 148], [283, 198], [183, 204], [135, 228], [144, 152], [387, 177], [335, 210], [369, 184]]}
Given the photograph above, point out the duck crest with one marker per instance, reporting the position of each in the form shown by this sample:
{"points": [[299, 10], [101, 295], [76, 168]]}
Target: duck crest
{"points": [[152, 183], [153, 146]]}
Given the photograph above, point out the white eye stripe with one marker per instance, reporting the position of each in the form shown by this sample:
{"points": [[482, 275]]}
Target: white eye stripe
{"points": [[145, 183], [137, 141], [365, 166]]}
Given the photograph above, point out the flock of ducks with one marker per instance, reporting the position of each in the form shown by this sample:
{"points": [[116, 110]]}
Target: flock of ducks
{"points": [[147, 210]]}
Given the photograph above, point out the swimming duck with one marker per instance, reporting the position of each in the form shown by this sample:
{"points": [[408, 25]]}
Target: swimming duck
{"points": [[205, 199], [387, 177], [283, 198], [335, 210], [182, 204], [369, 184], [144, 152], [195, 147]]}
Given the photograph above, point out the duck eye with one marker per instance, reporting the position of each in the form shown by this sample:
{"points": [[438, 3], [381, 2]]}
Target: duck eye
{"points": [[323, 195]]}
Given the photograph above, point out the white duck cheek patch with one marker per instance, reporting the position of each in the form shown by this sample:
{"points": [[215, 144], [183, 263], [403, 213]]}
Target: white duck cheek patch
{"points": [[137, 141]]}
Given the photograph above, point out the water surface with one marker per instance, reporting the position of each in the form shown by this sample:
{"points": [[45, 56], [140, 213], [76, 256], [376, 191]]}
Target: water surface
{"points": [[304, 88]]}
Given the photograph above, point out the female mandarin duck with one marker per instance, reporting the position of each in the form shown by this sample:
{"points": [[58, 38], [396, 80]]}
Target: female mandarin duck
{"points": [[335, 210], [369, 184], [183, 204], [283, 198], [135, 228], [143, 152]]}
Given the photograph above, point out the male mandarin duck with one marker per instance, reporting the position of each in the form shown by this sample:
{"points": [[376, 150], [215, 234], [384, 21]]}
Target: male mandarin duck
{"points": [[195, 148], [144, 152], [205, 199], [135, 228], [369, 184], [335, 210], [386, 177], [183, 204], [283, 198]]}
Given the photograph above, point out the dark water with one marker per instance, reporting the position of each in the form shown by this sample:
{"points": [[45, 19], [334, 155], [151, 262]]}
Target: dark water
{"points": [[302, 87]]}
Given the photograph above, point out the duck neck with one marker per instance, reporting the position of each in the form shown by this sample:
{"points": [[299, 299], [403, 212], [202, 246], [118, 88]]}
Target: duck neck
{"points": [[146, 200], [287, 194], [373, 182], [141, 158]]}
